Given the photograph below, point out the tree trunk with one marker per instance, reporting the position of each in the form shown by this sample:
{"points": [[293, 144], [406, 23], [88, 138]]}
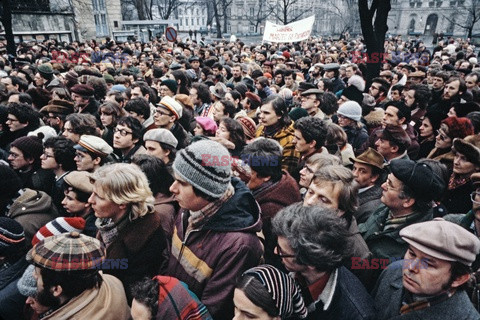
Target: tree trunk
{"points": [[7, 24], [217, 19], [374, 34]]}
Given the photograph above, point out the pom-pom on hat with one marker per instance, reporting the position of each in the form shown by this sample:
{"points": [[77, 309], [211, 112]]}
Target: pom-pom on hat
{"points": [[58, 226]]}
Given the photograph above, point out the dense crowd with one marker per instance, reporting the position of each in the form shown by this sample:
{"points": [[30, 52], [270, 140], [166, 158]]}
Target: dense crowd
{"points": [[195, 180]]}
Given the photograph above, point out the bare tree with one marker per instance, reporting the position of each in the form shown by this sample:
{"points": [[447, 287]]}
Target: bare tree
{"points": [[220, 12], [471, 11], [7, 25], [167, 8], [287, 11], [339, 11], [142, 7], [260, 14], [373, 21]]}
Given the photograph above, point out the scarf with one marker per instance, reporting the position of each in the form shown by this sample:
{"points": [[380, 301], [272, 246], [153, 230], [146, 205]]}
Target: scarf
{"points": [[455, 181], [110, 230], [198, 218], [270, 131], [409, 305], [394, 223]]}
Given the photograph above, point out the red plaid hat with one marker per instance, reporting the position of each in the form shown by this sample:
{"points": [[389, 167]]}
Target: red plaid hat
{"points": [[59, 226], [458, 127], [68, 252]]}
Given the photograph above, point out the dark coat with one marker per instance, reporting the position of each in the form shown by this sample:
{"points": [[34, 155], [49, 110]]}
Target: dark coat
{"points": [[368, 202], [210, 260], [350, 301], [143, 243], [458, 200], [181, 135], [389, 294], [11, 301], [356, 137]]}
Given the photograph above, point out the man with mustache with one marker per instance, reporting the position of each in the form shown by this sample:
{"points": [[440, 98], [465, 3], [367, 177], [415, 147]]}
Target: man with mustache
{"points": [[429, 283]]}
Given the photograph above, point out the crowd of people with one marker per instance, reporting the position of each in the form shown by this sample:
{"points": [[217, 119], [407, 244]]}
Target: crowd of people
{"points": [[195, 180]]}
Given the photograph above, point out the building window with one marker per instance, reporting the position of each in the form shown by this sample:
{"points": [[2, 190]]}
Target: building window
{"points": [[198, 21], [252, 28], [186, 22], [198, 11], [181, 20], [203, 21], [193, 22], [252, 11], [100, 17], [180, 11]]}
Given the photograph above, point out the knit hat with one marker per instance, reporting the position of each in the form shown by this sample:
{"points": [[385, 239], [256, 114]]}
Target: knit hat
{"points": [[253, 97], [12, 237], [297, 113], [171, 105], [281, 287], [11, 182], [368, 100], [71, 76], [31, 147], [208, 125], [108, 78], [206, 166], [171, 84], [162, 136], [83, 90], [118, 88], [45, 70], [44, 133], [68, 252], [248, 125], [458, 127], [469, 147], [350, 110], [353, 94], [58, 226], [27, 285]]}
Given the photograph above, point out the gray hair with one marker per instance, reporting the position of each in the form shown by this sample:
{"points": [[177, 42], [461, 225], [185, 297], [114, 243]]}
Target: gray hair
{"points": [[316, 234]]}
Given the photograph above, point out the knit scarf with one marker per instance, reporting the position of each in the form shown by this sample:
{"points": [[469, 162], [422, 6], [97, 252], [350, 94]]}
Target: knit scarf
{"points": [[270, 131], [424, 303], [110, 230], [198, 218], [393, 223], [455, 181]]}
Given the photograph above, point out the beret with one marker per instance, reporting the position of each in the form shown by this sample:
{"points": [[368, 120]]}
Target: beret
{"points": [[419, 177], [161, 135], [45, 69], [79, 180], [331, 66], [208, 125], [83, 90], [443, 240], [94, 144]]}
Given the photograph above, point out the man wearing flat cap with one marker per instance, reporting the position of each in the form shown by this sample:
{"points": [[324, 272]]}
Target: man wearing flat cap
{"points": [[369, 174], [311, 100], [407, 198], [55, 113], [162, 144], [430, 282], [69, 282], [332, 72], [166, 116], [83, 96], [392, 143], [91, 153]]}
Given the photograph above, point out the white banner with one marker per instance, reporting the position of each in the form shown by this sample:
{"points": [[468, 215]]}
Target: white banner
{"points": [[292, 32]]}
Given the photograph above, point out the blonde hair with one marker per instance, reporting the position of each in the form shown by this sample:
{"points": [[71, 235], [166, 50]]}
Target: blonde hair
{"points": [[124, 183]]}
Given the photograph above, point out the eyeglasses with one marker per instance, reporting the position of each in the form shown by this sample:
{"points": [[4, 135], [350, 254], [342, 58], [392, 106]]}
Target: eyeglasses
{"points": [[388, 185], [14, 155], [162, 112], [279, 253], [122, 132], [443, 136], [12, 120], [473, 195], [374, 88]]}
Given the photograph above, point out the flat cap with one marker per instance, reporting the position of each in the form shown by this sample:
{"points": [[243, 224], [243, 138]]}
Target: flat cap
{"points": [[58, 106], [371, 157], [417, 74], [443, 240], [171, 105], [419, 177], [161, 135], [79, 180], [395, 134], [83, 90], [331, 66], [94, 144], [68, 252], [311, 91]]}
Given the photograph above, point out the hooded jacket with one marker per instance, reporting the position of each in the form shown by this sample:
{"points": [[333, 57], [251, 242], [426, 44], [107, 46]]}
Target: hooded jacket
{"points": [[32, 209], [209, 260]]}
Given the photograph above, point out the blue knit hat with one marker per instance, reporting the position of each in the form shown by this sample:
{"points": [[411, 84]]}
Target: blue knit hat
{"points": [[206, 166]]}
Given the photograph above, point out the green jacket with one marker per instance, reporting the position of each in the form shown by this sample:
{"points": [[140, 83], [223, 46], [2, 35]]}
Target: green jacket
{"points": [[387, 244]]}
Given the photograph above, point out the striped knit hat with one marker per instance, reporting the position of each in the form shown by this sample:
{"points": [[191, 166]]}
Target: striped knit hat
{"points": [[283, 290], [68, 252], [12, 237], [205, 165], [58, 226]]}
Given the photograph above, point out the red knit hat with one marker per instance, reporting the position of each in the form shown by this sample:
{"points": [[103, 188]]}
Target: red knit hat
{"points": [[458, 127], [58, 226]]}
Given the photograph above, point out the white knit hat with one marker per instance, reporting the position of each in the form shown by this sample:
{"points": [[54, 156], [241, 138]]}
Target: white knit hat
{"points": [[351, 110]]}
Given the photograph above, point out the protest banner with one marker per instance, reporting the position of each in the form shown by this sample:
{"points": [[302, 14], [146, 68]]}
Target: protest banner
{"points": [[292, 32]]}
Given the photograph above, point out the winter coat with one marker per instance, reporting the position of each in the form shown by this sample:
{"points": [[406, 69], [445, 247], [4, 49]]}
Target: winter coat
{"points": [[458, 200], [167, 208], [11, 301], [347, 299], [271, 200], [389, 295], [285, 137], [181, 135], [368, 202], [107, 303], [210, 259], [356, 136], [142, 244], [32, 209]]}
